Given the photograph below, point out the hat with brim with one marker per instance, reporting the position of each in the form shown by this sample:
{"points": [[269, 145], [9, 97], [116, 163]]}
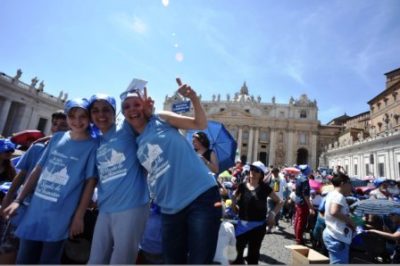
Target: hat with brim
{"points": [[260, 166]]}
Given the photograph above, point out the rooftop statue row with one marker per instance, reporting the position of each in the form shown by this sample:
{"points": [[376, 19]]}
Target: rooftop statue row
{"points": [[32, 87], [243, 97]]}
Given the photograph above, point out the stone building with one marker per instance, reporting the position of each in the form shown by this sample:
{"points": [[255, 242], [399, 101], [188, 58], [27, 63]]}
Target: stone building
{"points": [[26, 106], [274, 133], [369, 143]]}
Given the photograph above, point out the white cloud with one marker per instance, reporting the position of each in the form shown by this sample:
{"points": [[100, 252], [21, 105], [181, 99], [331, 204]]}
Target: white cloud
{"points": [[132, 23]]}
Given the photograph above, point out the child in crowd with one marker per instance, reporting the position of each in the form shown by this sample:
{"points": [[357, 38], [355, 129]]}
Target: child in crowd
{"points": [[65, 179], [25, 165]]}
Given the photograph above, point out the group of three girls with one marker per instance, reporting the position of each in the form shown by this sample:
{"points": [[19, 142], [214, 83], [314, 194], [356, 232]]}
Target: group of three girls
{"points": [[144, 146]]}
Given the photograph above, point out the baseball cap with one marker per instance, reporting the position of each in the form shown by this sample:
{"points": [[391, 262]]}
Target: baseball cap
{"points": [[260, 166]]}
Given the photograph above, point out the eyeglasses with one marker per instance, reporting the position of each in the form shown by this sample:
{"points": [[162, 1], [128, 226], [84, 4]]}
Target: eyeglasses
{"points": [[255, 169]]}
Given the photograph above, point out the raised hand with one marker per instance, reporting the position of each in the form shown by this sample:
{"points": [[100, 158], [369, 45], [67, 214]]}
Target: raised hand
{"points": [[185, 90]]}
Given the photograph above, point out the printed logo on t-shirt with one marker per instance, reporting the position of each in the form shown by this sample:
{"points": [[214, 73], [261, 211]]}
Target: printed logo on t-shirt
{"points": [[51, 183], [110, 164], [150, 156]]}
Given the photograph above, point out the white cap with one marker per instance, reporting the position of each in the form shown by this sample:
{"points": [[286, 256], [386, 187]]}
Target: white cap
{"points": [[260, 166]]}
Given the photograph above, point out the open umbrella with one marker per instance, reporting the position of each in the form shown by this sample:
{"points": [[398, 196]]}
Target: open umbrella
{"points": [[356, 182], [316, 185], [221, 142], [291, 170], [375, 206], [26, 137]]}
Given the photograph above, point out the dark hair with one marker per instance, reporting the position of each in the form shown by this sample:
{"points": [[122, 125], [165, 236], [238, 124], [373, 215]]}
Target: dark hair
{"points": [[339, 179], [275, 170], [202, 138], [58, 115], [9, 171]]}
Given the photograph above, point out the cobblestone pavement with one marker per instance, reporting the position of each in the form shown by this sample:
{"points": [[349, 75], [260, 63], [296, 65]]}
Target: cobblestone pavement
{"points": [[273, 249]]}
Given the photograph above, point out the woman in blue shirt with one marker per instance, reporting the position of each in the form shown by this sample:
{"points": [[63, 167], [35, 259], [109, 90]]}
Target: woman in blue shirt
{"points": [[123, 196], [179, 182]]}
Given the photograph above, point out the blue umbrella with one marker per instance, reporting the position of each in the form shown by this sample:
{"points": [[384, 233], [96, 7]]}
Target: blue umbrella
{"points": [[375, 206], [221, 142]]}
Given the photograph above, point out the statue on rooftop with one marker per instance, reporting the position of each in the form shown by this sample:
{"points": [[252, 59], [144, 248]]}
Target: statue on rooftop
{"points": [[17, 76], [34, 82], [41, 86]]}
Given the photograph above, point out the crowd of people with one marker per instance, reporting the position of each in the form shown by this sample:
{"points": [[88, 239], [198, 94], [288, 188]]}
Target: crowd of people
{"points": [[161, 199]]}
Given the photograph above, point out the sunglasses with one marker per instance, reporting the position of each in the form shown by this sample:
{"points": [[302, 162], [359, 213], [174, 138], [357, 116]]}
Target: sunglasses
{"points": [[255, 169]]}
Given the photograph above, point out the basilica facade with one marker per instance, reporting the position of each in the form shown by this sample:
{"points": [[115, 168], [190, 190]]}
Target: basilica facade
{"points": [[275, 133]]}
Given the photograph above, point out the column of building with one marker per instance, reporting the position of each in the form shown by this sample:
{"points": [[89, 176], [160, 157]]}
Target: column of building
{"points": [[27, 120], [239, 141], [289, 153], [391, 165], [313, 149], [249, 146], [4, 114], [272, 147], [256, 143]]}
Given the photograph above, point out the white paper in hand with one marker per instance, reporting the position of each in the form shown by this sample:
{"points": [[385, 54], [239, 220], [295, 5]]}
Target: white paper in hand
{"points": [[137, 84]]}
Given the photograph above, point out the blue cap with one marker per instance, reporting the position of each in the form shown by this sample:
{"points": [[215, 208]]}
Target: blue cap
{"points": [[305, 169], [6, 146], [104, 97], [78, 102]]}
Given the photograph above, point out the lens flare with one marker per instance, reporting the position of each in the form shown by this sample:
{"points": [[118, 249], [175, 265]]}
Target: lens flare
{"points": [[165, 2], [179, 57]]}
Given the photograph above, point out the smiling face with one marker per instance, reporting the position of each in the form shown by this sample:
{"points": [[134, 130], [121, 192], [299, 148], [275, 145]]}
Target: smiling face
{"points": [[78, 120], [102, 115], [133, 110]]}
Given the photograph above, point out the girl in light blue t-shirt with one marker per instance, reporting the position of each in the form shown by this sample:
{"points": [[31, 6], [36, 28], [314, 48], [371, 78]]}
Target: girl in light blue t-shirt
{"points": [[123, 195], [179, 182], [64, 179]]}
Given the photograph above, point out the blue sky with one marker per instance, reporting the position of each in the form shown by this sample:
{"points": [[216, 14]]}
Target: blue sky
{"points": [[334, 51]]}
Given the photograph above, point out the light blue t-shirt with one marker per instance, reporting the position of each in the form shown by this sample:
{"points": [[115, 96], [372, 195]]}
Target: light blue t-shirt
{"points": [[122, 180], [66, 165], [176, 174], [29, 160]]}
